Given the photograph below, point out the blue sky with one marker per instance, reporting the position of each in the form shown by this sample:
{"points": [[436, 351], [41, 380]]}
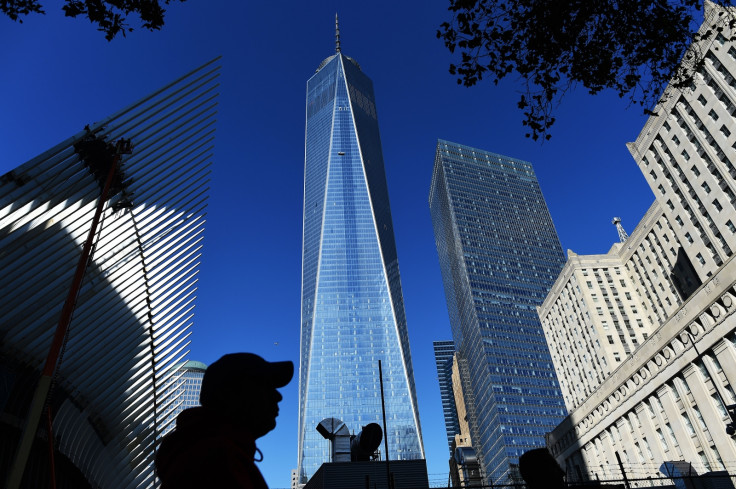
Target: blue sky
{"points": [[59, 74]]}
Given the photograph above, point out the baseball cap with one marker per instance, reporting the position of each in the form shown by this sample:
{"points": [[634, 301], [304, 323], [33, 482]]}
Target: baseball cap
{"points": [[240, 369]]}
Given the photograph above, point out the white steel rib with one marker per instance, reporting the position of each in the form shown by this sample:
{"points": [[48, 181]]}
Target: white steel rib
{"points": [[134, 311]]}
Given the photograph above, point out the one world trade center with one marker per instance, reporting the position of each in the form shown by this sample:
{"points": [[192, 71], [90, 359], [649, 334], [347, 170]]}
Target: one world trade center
{"points": [[352, 305]]}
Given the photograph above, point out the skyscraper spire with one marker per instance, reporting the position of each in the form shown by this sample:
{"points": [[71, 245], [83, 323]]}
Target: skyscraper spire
{"points": [[337, 34], [348, 244], [622, 236]]}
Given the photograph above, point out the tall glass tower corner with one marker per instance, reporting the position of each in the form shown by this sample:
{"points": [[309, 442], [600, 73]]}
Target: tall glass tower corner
{"points": [[352, 304], [499, 255], [443, 355]]}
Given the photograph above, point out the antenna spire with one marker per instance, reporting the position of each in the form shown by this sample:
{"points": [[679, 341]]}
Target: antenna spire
{"points": [[337, 34], [622, 236]]}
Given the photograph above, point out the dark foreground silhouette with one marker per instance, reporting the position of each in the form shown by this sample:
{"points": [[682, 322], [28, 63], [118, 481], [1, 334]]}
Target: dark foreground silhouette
{"points": [[540, 470], [214, 445]]}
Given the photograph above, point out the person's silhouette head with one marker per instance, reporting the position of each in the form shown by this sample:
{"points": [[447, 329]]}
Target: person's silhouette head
{"points": [[241, 387], [540, 470]]}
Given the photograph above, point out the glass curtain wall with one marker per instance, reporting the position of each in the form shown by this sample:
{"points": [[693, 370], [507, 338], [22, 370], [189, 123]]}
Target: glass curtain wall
{"points": [[352, 305], [499, 255]]}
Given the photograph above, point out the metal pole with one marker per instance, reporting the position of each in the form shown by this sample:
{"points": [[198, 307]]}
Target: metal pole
{"points": [[623, 472], [52, 465], [44, 383], [385, 432]]}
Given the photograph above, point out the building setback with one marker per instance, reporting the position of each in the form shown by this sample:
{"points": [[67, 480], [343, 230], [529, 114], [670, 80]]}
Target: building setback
{"points": [[499, 254], [643, 338], [352, 304]]}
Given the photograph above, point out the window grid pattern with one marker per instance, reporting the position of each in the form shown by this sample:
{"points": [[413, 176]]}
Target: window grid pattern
{"points": [[443, 355], [694, 152], [352, 308], [499, 253], [182, 391], [687, 155]]}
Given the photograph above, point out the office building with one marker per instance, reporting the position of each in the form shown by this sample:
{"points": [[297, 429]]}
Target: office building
{"points": [[132, 315], [352, 306], [644, 337], [182, 391], [464, 464], [499, 254], [444, 352]]}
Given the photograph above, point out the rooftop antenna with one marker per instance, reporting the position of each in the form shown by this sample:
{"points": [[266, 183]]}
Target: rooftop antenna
{"points": [[337, 34], [622, 236]]}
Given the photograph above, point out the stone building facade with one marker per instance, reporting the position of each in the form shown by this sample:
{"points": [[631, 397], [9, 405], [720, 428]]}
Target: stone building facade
{"points": [[643, 338]]}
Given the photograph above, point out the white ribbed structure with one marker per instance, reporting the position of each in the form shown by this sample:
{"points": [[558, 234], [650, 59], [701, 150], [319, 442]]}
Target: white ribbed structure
{"points": [[134, 311]]}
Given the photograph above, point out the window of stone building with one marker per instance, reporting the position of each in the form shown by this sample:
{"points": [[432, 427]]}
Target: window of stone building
{"points": [[719, 406], [639, 453], [688, 424], [650, 410], [731, 393], [648, 448], [700, 419], [704, 460], [671, 433], [719, 461], [673, 390]]}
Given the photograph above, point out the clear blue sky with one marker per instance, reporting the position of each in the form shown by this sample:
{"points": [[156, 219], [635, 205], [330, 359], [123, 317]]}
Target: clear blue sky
{"points": [[58, 74]]}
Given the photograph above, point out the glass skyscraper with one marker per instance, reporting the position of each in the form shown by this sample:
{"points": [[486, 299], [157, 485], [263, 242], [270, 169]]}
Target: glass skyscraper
{"points": [[443, 353], [499, 255], [352, 305], [182, 390]]}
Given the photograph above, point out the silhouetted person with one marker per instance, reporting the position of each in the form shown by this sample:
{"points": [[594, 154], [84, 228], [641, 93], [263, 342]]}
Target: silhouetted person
{"points": [[540, 470], [214, 444]]}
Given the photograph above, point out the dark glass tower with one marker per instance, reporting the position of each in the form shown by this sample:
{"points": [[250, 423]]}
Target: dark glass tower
{"points": [[443, 353], [499, 254], [352, 305]]}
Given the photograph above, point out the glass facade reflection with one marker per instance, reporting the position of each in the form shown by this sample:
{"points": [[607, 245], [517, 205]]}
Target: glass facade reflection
{"points": [[182, 391], [443, 352], [499, 255], [352, 304]]}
